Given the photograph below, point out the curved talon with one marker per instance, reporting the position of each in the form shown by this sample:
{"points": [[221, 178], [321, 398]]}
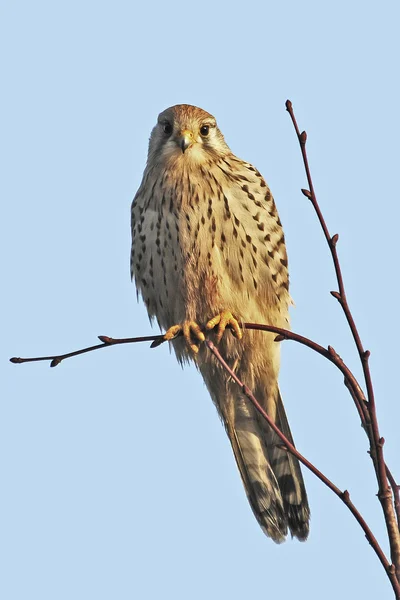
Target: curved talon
{"points": [[189, 328], [224, 320], [172, 332], [191, 331]]}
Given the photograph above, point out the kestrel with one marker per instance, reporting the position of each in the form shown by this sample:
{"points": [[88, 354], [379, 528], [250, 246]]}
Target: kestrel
{"points": [[208, 253]]}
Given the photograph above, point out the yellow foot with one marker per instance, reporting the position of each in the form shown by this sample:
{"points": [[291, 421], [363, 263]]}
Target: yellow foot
{"points": [[191, 332], [224, 320]]}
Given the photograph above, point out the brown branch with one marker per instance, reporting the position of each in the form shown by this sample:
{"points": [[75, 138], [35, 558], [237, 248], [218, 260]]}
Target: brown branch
{"points": [[282, 334], [344, 496], [366, 423], [376, 441], [328, 353], [107, 341]]}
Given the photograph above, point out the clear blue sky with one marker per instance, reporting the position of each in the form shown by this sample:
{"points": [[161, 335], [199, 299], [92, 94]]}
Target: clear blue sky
{"points": [[117, 477]]}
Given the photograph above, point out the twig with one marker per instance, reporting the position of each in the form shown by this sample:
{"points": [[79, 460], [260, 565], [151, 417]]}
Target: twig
{"points": [[107, 341], [282, 334], [344, 496], [376, 441]]}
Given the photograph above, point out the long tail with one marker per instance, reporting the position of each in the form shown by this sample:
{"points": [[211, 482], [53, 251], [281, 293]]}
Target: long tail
{"points": [[260, 483], [271, 476], [288, 474]]}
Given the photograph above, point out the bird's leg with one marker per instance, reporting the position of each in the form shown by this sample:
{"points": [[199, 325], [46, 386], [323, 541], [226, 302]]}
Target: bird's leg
{"points": [[191, 332], [223, 320]]}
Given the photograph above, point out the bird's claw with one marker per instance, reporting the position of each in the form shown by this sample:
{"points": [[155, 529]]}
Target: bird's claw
{"points": [[191, 332], [194, 335], [223, 320]]}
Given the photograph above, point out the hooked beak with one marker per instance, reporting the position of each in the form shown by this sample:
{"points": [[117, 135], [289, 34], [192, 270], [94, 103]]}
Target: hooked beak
{"points": [[186, 139]]}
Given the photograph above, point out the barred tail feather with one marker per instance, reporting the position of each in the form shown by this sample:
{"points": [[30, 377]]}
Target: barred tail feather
{"points": [[288, 474], [259, 481], [271, 476]]}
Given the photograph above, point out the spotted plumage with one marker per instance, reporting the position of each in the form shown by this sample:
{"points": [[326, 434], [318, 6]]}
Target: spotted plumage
{"points": [[208, 247]]}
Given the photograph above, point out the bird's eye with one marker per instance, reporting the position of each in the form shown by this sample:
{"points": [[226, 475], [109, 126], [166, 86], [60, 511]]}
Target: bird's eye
{"points": [[204, 131], [167, 128]]}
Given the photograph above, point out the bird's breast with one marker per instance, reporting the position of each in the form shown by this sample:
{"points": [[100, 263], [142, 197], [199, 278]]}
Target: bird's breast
{"points": [[204, 243]]}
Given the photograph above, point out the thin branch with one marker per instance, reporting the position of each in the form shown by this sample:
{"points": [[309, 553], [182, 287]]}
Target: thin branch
{"points": [[156, 340], [376, 441], [331, 240], [328, 353], [282, 334], [344, 496], [107, 341]]}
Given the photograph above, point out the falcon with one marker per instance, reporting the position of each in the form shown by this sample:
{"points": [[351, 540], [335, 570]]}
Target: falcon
{"points": [[208, 254]]}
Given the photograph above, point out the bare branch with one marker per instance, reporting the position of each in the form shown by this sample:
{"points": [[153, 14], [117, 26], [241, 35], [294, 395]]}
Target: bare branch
{"points": [[376, 441], [107, 341], [344, 496], [282, 334]]}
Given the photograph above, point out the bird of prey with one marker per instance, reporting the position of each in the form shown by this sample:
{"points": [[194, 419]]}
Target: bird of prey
{"points": [[208, 253]]}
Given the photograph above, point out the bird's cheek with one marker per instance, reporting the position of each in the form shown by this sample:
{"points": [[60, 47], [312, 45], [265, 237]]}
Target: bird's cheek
{"points": [[170, 149]]}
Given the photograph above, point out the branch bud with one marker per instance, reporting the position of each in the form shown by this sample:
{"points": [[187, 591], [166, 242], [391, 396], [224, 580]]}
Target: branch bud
{"points": [[337, 296], [334, 240], [307, 193], [288, 105], [303, 138], [156, 343], [332, 351], [279, 338], [345, 496], [366, 355], [55, 362]]}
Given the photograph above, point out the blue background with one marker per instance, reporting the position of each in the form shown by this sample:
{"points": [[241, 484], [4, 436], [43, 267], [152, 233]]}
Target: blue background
{"points": [[118, 480]]}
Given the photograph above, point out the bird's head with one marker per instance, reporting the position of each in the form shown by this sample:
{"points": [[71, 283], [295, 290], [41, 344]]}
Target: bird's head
{"points": [[188, 134]]}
